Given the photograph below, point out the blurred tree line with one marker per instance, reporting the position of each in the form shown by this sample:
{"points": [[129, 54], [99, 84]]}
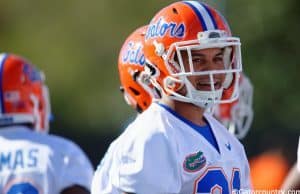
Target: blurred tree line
{"points": [[76, 43]]}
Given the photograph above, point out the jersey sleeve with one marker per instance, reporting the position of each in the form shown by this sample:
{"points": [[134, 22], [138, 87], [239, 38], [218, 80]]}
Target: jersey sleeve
{"points": [[76, 168], [101, 182], [298, 156], [245, 179], [147, 165]]}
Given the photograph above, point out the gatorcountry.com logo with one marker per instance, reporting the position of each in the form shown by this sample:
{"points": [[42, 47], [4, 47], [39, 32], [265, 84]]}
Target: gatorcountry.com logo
{"points": [[162, 28], [194, 162]]}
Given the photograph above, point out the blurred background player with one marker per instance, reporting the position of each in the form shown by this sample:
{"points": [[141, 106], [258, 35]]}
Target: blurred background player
{"points": [[268, 170], [237, 116], [292, 181], [173, 147], [135, 85], [32, 161]]}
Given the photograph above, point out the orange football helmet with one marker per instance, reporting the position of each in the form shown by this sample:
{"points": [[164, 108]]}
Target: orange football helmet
{"points": [[135, 84], [237, 116], [183, 27], [24, 96]]}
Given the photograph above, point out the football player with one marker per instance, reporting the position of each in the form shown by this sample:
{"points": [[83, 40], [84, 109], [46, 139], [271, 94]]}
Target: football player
{"points": [[238, 115], [173, 146], [31, 160], [292, 181]]}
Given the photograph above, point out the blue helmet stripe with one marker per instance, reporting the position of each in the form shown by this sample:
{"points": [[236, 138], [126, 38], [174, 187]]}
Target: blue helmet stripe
{"points": [[198, 14], [210, 14], [203, 14]]}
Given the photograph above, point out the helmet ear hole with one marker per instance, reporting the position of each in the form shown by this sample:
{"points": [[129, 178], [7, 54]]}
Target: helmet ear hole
{"points": [[175, 11], [134, 91]]}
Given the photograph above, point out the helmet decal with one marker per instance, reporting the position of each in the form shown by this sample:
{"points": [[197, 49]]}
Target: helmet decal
{"points": [[163, 28], [133, 54]]}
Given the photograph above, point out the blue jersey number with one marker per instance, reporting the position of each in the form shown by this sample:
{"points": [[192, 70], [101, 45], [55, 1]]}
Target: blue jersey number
{"points": [[215, 181], [23, 188]]}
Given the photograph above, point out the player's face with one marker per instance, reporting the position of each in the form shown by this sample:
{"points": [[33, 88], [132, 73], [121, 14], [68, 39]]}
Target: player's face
{"points": [[205, 60]]}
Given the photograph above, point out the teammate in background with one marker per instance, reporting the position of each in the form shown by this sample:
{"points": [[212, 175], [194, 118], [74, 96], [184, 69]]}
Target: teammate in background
{"points": [[268, 170], [292, 181], [238, 115], [135, 85], [173, 146], [32, 161]]}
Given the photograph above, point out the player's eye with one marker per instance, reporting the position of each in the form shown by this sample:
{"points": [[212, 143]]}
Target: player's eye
{"points": [[198, 60], [219, 59]]}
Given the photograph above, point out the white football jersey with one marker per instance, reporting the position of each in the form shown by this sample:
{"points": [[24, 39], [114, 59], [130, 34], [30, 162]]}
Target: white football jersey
{"points": [[40, 163], [159, 153]]}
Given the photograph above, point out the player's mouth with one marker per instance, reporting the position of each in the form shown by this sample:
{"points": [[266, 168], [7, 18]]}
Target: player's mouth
{"points": [[206, 85]]}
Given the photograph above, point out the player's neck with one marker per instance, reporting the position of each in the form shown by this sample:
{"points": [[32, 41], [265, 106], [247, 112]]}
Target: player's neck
{"points": [[187, 110]]}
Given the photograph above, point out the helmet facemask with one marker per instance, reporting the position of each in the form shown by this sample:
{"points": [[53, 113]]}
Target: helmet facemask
{"points": [[180, 73]]}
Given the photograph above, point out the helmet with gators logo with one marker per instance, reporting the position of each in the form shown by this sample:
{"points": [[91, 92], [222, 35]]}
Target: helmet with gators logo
{"points": [[24, 96], [184, 27], [135, 85]]}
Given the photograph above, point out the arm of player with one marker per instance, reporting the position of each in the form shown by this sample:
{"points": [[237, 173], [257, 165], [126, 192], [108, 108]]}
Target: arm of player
{"points": [[292, 181], [246, 184], [298, 156]]}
